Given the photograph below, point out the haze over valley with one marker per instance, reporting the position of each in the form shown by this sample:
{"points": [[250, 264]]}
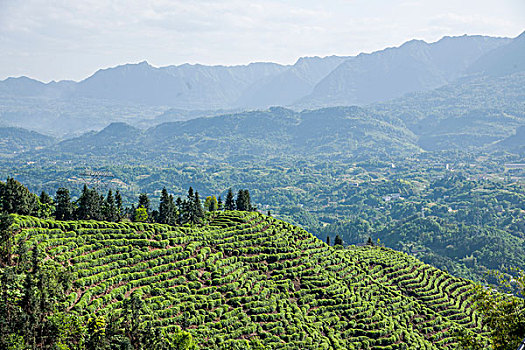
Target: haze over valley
{"points": [[359, 185]]}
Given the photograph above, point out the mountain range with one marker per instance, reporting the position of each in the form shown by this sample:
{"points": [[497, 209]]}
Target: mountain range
{"points": [[431, 87], [137, 92]]}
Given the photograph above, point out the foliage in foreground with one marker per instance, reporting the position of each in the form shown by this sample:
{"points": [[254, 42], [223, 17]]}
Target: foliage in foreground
{"points": [[243, 281], [503, 315]]}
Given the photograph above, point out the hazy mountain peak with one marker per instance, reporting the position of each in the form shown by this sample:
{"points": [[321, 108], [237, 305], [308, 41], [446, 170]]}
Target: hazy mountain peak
{"points": [[413, 66], [118, 127]]}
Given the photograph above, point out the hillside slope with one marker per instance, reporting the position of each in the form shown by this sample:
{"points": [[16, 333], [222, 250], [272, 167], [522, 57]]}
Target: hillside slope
{"points": [[277, 132], [246, 276], [414, 66], [16, 140]]}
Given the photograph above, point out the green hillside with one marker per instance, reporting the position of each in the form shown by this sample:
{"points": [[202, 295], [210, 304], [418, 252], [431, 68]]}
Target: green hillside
{"points": [[246, 280]]}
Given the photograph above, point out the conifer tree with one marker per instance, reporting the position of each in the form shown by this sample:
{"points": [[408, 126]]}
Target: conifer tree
{"points": [[243, 201], [64, 207], [230, 202], [188, 208], [164, 206], [90, 205], [45, 198], [167, 208], [338, 240], [172, 218], [118, 205], [15, 198], [110, 210], [328, 240], [46, 206], [199, 212], [220, 205]]}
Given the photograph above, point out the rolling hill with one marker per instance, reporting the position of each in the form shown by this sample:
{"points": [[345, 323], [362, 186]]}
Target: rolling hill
{"points": [[277, 132], [16, 140], [245, 277]]}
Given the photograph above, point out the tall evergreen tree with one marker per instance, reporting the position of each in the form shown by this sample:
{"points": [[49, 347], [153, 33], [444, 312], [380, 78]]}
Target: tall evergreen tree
{"points": [[243, 201], [110, 209], [230, 202], [220, 205], [45, 198], [167, 210], [199, 211], [118, 205], [15, 198], [164, 206], [90, 205], [338, 240], [188, 207], [64, 207]]}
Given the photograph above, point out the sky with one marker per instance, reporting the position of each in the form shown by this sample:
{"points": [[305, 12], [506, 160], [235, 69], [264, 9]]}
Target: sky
{"points": [[71, 39]]}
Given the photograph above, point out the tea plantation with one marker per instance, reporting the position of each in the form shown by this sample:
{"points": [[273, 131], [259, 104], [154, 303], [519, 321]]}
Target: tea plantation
{"points": [[246, 280]]}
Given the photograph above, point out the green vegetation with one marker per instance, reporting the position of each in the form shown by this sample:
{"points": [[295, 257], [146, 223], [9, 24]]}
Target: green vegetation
{"points": [[473, 211], [243, 281]]}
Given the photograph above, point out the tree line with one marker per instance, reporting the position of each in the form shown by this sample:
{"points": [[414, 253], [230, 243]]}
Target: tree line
{"points": [[15, 198]]}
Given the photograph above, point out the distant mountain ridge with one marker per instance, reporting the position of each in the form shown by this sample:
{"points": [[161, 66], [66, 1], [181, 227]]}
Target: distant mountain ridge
{"points": [[142, 95], [277, 132], [311, 81], [393, 72]]}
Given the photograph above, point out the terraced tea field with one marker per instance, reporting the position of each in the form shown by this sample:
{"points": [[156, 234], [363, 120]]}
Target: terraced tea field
{"points": [[247, 275]]}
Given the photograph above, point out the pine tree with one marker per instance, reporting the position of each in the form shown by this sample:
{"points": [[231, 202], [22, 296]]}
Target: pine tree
{"points": [[172, 217], [118, 205], [64, 207], [110, 210], [90, 205], [328, 240], [243, 201], [164, 206], [167, 208], [240, 201], [338, 240], [220, 204], [189, 209], [199, 212], [230, 202], [15, 198], [45, 198]]}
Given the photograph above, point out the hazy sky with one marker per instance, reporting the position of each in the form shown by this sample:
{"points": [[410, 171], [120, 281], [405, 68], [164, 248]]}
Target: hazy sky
{"points": [[71, 39]]}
